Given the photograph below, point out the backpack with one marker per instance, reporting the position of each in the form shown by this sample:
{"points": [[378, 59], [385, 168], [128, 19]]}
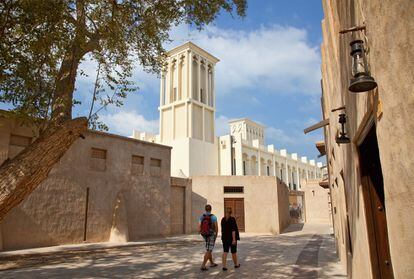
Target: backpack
{"points": [[206, 225]]}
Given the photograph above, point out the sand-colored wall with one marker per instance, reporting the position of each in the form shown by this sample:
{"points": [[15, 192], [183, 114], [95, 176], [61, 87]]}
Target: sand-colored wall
{"points": [[187, 184], [263, 200], [389, 25], [316, 203], [122, 205]]}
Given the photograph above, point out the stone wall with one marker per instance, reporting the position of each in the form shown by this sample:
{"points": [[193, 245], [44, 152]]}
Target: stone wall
{"points": [[265, 200], [128, 198], [389, 28]]}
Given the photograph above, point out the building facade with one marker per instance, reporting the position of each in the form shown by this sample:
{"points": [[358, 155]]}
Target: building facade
{"points": [[243, 152], [105, 188], [371, 176], [187, 124]]}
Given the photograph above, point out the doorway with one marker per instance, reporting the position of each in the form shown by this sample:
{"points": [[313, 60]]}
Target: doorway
{"points": [[177, 210], [373, 192], [237, 207]]}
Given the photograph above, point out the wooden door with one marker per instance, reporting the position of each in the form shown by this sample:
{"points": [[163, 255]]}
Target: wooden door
{"points": [[373, 191], [177, 210], [237, 206]]}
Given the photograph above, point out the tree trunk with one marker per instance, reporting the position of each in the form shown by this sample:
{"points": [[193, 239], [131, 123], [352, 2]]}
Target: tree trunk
{"points": [[21, 175]]}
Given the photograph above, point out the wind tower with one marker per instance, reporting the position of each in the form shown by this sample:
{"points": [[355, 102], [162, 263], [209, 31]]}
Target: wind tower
{"points": [[187, 110]]}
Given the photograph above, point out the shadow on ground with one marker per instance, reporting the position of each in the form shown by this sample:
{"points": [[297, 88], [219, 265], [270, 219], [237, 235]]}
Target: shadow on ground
{"points": [[293, 254]]}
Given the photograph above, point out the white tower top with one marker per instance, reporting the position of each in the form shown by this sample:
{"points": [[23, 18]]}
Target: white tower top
{"points": [[187, 95]]}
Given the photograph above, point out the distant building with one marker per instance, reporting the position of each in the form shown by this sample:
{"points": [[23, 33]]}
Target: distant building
{"points": [[187, 124]]}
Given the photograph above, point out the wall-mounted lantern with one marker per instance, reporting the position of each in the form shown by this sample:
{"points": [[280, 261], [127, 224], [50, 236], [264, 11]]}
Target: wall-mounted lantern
{"points": [[362, 81], [342, 135]]}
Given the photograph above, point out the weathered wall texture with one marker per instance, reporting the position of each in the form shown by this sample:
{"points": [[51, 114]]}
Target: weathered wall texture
{"points": [[184, 185], [126, 201], [389, 28], [317, 207], [264, 200], [283, 205]]}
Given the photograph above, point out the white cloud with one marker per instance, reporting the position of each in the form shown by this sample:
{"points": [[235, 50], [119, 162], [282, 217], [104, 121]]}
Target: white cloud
{"points": [[278, 59], [123, 122], [278, 137]]}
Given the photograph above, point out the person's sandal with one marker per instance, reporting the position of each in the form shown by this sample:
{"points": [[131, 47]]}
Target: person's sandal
{"points": [[213, 265], [237, 266], [203, 268], [224, 268]]}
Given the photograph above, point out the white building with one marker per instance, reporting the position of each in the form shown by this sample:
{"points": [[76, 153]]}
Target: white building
{"points": [[187, 120]]}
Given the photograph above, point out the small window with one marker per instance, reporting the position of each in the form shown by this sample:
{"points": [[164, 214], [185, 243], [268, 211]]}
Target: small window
{"points": [[155, 162], [98, 159], [233, 189], [98, 153], [137, 160], [175, 93], [22, 141], [137, 165], [155, 167], [201, 95]]}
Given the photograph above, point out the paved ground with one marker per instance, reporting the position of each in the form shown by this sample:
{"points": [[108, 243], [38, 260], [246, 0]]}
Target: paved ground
{"points": [[306, 252]]}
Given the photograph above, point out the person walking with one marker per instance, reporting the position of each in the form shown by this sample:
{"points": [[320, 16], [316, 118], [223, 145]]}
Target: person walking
{"points": [[208, 228], [229, 237]]}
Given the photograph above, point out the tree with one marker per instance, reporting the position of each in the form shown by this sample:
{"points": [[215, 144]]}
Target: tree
{"points": [[42, 44]]}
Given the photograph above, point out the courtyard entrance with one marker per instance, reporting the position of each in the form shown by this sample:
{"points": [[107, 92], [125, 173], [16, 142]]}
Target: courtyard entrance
{"points": [[237, 206]]}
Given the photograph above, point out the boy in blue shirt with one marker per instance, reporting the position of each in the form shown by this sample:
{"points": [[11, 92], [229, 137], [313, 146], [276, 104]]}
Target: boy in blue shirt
{"points": [[208, 228]]}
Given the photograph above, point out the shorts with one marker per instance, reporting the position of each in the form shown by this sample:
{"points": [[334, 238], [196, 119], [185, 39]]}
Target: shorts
{"points": [[210, 241], [229, 245]]}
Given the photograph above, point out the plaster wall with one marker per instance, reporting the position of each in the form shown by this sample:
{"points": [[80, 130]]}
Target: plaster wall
{"points": [[390, 107], [187, 185], [122, 205], [265, 200], [317, 203]]}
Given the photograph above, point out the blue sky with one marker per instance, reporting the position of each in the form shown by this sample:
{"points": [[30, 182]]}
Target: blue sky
{"points": [[269, 71]]}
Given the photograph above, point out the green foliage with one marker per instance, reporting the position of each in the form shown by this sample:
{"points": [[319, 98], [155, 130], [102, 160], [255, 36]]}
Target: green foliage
{"points": [[37, 37]]}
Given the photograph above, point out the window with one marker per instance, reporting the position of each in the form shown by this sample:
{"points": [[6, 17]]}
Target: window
{"points": [[175, 94], [98, 153], [155, 163], [98, 159], [233, 169], [155, 167], [244, 167], [137, 160], [137, 165], [233, 189], [201, 95], [268, 170]]}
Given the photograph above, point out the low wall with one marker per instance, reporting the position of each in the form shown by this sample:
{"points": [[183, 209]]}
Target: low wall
{"points": [[265, 200], [316, 203], [122, 205], [283, 205]]}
